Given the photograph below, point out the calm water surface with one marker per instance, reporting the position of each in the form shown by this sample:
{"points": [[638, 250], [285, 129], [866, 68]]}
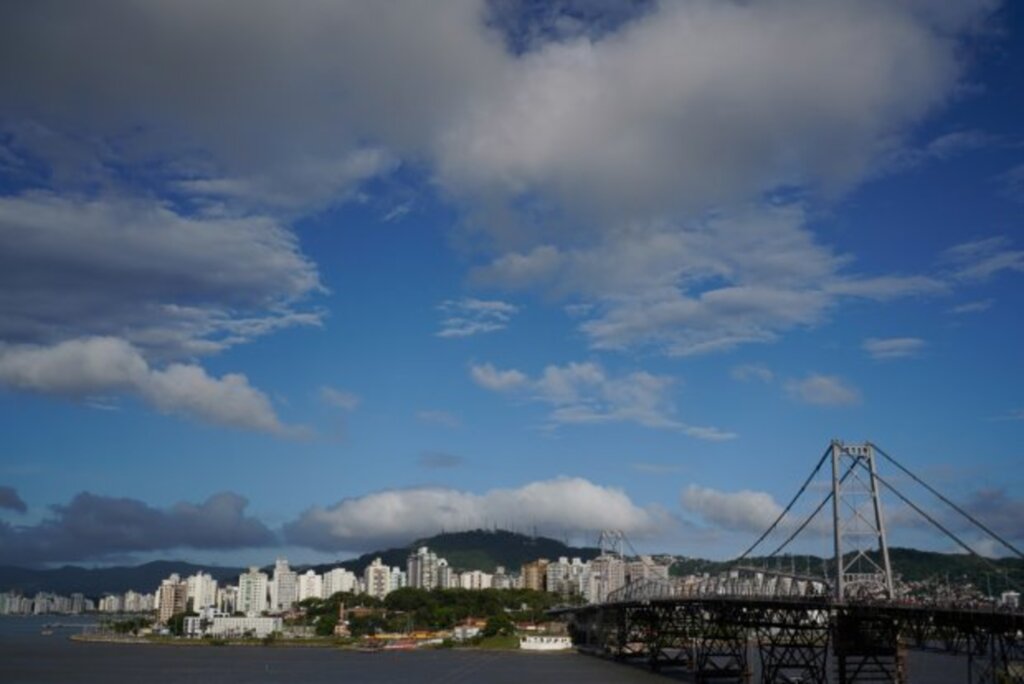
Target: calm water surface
{"points": [[27, 656]]}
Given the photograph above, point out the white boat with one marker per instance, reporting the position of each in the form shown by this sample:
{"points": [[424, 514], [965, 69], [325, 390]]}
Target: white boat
{"points": [[545, 643]]}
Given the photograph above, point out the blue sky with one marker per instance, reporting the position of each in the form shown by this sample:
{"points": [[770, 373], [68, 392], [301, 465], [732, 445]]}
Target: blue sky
{"points": [[327, 279]]}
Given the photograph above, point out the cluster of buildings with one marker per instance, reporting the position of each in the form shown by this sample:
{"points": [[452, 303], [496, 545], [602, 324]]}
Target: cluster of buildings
{"points": [[589, 581], [44, 603], [258, 593]]}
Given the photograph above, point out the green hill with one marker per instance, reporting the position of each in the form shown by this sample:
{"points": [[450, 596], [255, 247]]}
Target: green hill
{"points": [[95, 582], [476, 550], [911, 565]]}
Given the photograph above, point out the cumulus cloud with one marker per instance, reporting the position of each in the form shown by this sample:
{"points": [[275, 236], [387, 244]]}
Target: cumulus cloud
{"points": [[740, 277], [93, 527], [823, 390], [104, 295], [583, 393], [469, 316], [742, 511], [572, 505], [720, 101], [489, 377], [893, 347], [339, 398], [9, 500], [81, 367], [173, 285], [697, 107]]}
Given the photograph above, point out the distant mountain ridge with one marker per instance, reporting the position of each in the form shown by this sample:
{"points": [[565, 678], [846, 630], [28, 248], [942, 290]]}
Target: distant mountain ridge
{"points": [[95, 582], [486, 549]]}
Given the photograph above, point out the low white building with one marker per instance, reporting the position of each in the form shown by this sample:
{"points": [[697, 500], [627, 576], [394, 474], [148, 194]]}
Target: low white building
{"points": [[223, 626], [475, 579]]}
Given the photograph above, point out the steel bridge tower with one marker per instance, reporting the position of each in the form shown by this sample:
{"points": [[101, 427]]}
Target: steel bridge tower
{"points": [[858, 524]]}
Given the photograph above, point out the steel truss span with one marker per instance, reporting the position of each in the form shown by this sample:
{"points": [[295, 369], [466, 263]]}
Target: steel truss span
{"points": [[792, 638]]}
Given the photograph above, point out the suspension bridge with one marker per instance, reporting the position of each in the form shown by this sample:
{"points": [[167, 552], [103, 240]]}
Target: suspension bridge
{"points": [[848, 624]]}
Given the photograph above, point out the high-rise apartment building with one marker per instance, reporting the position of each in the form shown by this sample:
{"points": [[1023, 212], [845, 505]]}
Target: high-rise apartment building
{"points": [[202, 591], [172, 597], [534, 574], [422, 569], [284, 588], [252, 592], [377, 577], [607, 573], [311, 585]]}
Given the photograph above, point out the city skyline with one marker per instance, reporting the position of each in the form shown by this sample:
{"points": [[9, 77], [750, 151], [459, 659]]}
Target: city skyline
{"points": [[325, 281]]}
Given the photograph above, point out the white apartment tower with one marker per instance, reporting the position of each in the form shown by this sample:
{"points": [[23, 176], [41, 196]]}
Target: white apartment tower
{"points": [[377, 577], [311, 585], [252, 592], [202, 591], [172, 597], [422, 569], [284, 588]]}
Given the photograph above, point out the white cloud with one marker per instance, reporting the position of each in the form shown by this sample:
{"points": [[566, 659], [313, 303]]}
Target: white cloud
{"points": [[469, 316], [719, 101], [973, 307], [438, 417], [737, 278], [562, 505], [982, 259], [175, 286], [81, 367], [489, 377], [696, 107], [743, 511], [583, 393], [823, 390], [752, 371], [305, 185], [893, 347], [339, 398]]}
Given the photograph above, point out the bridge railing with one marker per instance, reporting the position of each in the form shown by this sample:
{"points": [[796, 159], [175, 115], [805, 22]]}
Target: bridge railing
{"points": [[736, 583]]}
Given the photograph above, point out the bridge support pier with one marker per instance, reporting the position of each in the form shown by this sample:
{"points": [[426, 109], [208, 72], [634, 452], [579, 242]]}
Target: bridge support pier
{"points": [[1004, 662], [867, 648], [793, 645], [721, 646]]}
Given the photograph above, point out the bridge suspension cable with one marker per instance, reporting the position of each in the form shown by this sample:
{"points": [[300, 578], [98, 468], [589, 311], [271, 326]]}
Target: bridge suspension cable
{"points": [[782, 515], [949, 503], [939, 525], [811, 517]]}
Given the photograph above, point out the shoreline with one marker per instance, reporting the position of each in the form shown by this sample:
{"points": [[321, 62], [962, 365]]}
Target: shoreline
{"points": [[288, 643]]}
